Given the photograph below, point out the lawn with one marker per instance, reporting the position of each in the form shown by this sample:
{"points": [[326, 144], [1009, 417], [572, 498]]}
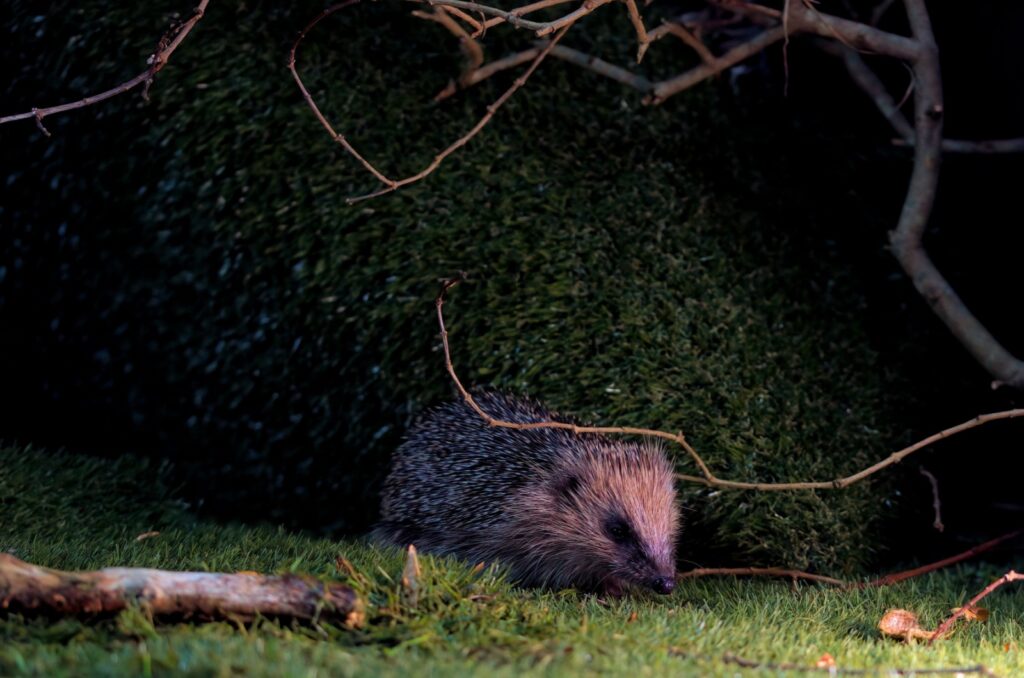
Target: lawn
{"points": [[75, 512]]}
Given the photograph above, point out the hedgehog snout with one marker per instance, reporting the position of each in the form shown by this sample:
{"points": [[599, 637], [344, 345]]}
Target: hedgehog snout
{"points": [[663, 585]]}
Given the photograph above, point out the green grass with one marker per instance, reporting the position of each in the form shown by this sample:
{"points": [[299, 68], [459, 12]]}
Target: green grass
{"points": [[76, 512]]}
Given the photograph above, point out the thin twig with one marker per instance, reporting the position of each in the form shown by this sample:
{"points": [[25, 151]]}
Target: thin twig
{"points": [[936, 502], [872, 85], [486, 71], [470, 47], [394, 184], [166, 47], [339, 138], [945, 626], [974, 146], [759, 572], [465, 138], [512, 17], [524, 10], [673, 86], [602, 67], [706, 477], [887, 580], [980, 669], [474, 52], [896, 577], [643, 41], [569, 19], [675, 28]]}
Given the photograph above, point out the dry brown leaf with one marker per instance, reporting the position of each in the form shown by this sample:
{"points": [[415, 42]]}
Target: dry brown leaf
{"points": [[973, 613], [632, 617], [147, 535]]}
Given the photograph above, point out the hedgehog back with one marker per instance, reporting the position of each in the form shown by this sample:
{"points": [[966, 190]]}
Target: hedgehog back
{"points": [[453, 478]]}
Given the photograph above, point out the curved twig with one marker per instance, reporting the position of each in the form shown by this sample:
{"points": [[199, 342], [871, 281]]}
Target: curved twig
{"points": [[706, 477], [394, 184], [165, 48]]}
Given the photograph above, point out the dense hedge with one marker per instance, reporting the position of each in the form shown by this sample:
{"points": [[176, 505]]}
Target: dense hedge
{"points": [[185, 277]]}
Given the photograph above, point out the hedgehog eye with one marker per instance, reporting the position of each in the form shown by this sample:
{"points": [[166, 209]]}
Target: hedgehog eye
{"points": [[619, 531], [567, 487]]}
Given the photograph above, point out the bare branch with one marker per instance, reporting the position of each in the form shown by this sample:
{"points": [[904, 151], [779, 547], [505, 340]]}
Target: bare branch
{"points": [[504, 16], [586, 8], [165, 48], [643, 41], [486, 71], [470, 47], [204, 595], [944, 627], [602, 67], [673, 86], [972, 146], [906, 239], [669, 27], [866, 79], [526, 9], [852, 33]]}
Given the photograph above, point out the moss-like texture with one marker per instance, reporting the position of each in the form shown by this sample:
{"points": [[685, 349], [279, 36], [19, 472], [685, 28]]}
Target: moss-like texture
{"points": [[75, 512], [184, 276]]}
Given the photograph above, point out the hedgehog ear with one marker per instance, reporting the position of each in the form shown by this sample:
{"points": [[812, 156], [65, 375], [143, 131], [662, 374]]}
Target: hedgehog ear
{"points": [[566, 487]]}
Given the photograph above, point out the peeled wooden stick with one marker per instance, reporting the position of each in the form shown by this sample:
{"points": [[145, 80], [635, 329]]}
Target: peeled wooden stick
{"points": [[28, 588]]}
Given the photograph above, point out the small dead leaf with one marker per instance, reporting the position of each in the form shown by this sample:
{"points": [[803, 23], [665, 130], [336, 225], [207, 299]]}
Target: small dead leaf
{"points": [[481, 597], [248, 573], [147, 535], [411, 577], [973, 613], [825, 661], [479, 567], [632, 617]]}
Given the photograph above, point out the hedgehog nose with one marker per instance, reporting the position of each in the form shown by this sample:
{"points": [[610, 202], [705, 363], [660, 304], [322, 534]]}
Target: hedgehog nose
{"points": [[663, 585]]}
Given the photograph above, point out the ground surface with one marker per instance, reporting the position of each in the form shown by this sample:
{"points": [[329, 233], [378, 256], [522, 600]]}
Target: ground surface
{"points": [[74, 512]]}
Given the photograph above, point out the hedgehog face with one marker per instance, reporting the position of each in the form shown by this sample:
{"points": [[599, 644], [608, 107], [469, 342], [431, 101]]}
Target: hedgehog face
{"points": [[619, 506]]}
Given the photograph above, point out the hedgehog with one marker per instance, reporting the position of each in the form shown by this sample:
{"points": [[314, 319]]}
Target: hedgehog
{"points": [[558, 509]]}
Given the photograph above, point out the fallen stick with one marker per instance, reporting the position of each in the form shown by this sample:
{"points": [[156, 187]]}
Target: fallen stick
{"points": [[27, 588]]}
